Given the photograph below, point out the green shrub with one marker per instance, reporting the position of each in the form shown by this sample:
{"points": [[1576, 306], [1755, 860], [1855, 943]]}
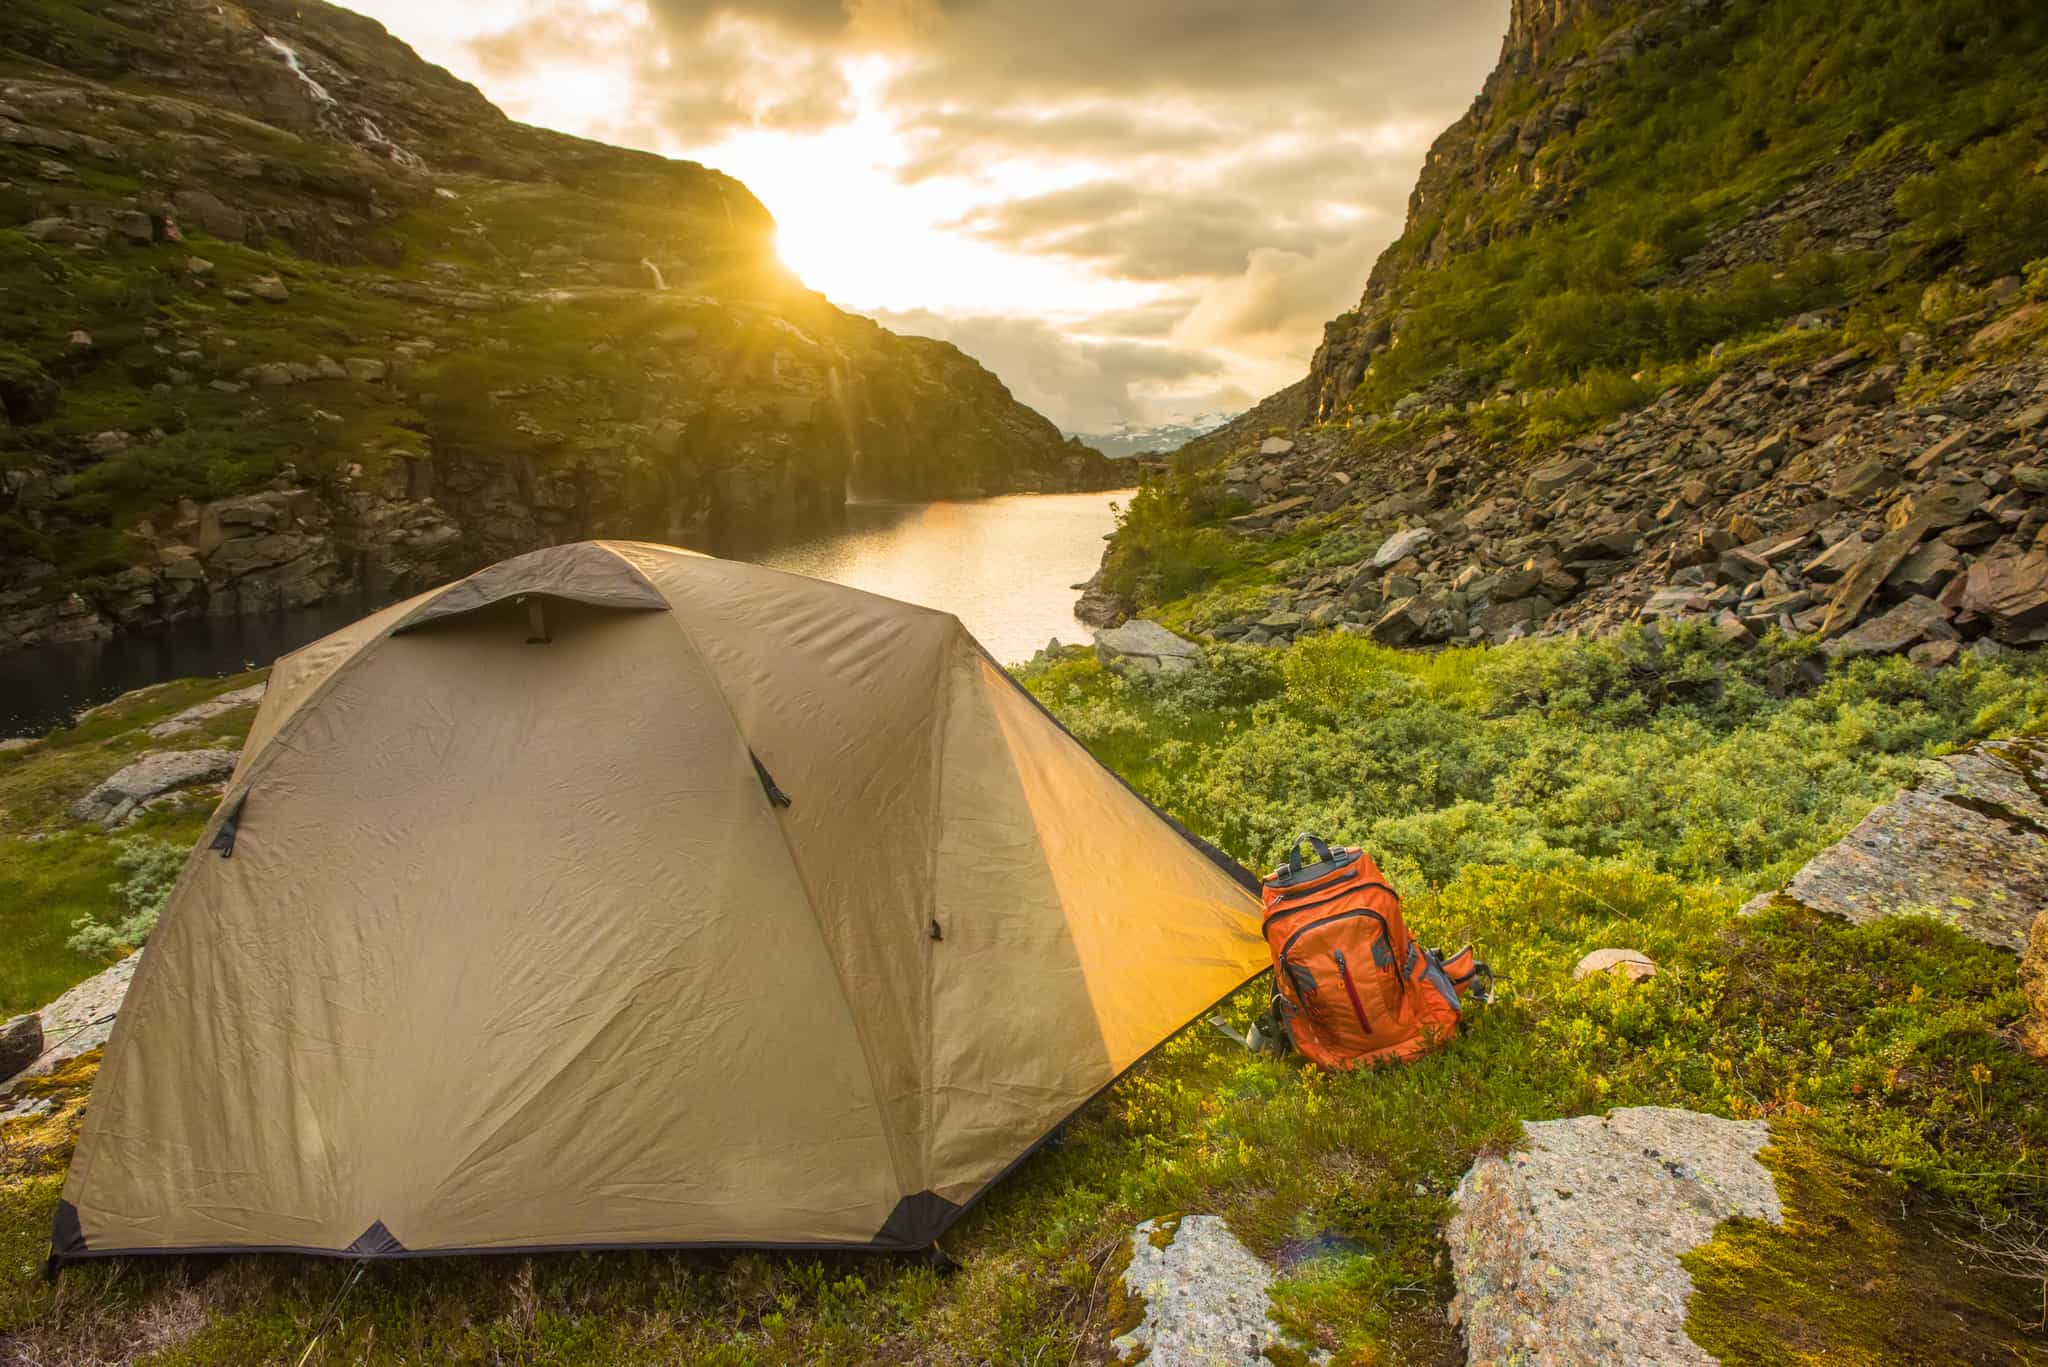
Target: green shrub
{"points": [[151, 867]]}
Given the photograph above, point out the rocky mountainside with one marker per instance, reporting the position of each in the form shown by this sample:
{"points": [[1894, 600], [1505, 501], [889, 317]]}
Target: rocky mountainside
{"points": [[1711, 310], [291, 312]]}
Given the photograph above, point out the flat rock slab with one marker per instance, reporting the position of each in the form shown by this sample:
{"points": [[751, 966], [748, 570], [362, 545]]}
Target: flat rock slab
{"points": [[1566, 1254], [81, 1020], [197, 715], [1968, 844], [1147, 646], [1206, 1297], [118, 798]]}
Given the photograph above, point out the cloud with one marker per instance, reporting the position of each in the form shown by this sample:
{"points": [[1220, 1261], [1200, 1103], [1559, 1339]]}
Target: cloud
{"points": [[1282, 299], [1084, 383], [1227, 171]]}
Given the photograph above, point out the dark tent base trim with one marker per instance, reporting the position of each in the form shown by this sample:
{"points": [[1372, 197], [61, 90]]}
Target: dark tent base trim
{"points": [[68, 1245], [913, 1227]]}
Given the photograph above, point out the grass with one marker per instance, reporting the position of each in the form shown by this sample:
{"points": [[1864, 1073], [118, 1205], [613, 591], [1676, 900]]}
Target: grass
{"points": [[1542, 799], [54, 870]]}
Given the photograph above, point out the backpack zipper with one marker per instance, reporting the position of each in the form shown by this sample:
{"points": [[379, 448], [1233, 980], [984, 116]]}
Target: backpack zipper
{"points": [[1329, 920], [1275, 915], [1351, 991], [1349, 869]]}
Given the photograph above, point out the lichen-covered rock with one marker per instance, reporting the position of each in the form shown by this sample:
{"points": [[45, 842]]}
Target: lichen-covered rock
{"points": [[1967, 844], [1146, 647], [1566, 1253], [2033, 1031], [1631, 962], [115, 801], [1205, 1297], [197, 715]]}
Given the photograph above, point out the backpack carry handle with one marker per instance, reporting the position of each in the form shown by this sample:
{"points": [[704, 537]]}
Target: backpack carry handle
{"points": [[1315, 844]]}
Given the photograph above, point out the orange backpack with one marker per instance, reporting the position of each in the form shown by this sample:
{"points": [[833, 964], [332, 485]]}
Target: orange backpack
{"points": [[1350, 986]]}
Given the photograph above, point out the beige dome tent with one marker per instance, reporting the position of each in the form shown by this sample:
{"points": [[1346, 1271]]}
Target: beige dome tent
{"points": [[618, 896]]}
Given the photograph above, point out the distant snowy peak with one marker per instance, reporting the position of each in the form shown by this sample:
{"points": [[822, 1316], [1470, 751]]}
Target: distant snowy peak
{"points": [[1129, 439]]}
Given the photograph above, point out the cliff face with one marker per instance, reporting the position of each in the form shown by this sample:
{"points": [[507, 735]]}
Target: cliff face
{"points": [[292, 312], [1719, 311]]}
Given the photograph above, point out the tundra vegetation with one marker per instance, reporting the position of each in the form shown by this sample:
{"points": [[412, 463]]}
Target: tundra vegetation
{"points": [[1541, 799]]}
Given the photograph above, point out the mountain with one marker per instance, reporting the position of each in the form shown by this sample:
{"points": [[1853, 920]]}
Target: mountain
{"points": [[292, 313], [1722, 310], [1126, 440]]}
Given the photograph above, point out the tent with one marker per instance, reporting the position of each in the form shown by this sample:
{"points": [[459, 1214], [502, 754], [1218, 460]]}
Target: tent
{"points": [[618, 896]]}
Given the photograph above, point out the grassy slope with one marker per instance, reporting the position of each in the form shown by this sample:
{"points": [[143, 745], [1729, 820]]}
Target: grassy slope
{"points": [[1569, 287], [1542, 799], [1562, 282], [54, 870]]}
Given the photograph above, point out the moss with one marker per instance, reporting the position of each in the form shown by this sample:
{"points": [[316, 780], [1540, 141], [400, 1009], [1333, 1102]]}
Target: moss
{"points": [[1861, 1274], [41, 1143]]}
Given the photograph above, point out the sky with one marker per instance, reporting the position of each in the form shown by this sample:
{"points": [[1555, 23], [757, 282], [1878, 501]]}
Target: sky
{"points": [[1134, 213]]}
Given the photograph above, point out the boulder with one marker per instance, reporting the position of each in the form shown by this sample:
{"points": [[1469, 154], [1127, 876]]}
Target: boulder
{"points": [[21, 1043], [116, 800], [1837, 560], [1260, 518], [1100, 606], [1550, 479], [271, 288], [364, 370], [1862, 582], [1932, 655], [2012, 591], [1566, 1253], [1964, 845], [210, 215], [1206, 1297], [1503, 617], [1405, 622], [1145, 647], [1861, 480], [1944, 506], [1927, 570], [1633, 963], [1400, 546], [1276, 446], [1673, 602], [1909, 623], [1607, 544]]}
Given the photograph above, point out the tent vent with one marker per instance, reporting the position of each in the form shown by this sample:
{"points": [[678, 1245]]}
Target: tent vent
{"points": [[224, 838], [776, 797]]}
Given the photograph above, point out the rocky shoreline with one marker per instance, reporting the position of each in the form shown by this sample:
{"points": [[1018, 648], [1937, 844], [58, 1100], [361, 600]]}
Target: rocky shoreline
{"points": [[1815, 500], [299, 316]]}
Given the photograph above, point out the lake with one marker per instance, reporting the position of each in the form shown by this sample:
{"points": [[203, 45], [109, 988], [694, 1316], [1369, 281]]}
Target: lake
{"points": [[1004, 566]]}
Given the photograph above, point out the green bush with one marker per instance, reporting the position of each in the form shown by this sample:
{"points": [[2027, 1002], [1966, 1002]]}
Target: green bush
{"points": [[151, 867]]}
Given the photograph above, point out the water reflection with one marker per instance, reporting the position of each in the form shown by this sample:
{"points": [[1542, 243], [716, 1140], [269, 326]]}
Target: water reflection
{"points": [[1004, 566]]}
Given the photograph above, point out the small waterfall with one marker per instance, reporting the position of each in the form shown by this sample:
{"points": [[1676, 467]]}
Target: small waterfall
{"points": [[659, 282], [291, 59], [334, 118]]}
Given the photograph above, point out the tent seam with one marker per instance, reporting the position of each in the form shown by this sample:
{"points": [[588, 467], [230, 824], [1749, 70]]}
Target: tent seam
{"points": [[942, 697], [810, 899], [230, 800]]}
